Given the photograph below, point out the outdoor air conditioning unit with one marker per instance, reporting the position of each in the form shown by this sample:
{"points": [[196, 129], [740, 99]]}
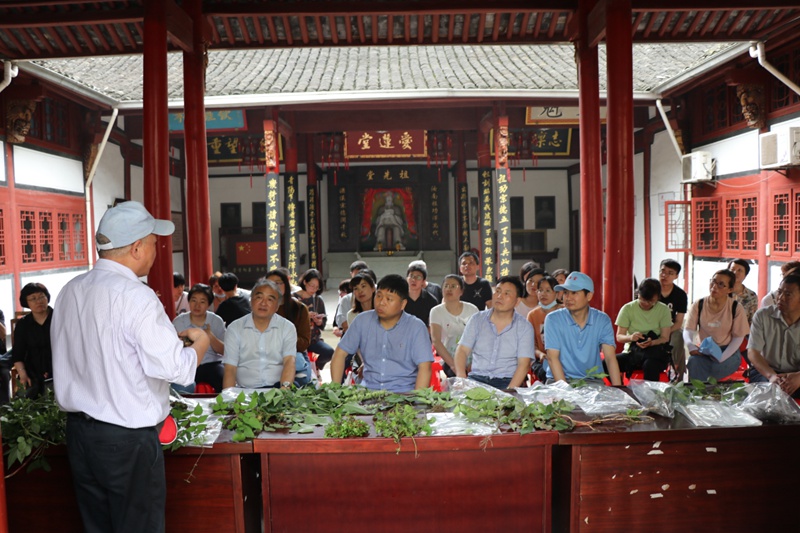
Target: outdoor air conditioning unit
{"points": [[698, 167], [779, 148]]}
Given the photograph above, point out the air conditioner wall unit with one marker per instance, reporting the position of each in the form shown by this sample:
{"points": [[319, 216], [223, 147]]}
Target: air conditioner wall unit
{"points": [[697, 167], [779, 148]]}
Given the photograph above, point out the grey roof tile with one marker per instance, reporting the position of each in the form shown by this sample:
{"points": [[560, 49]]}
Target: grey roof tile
{"points": [[321, 70]]}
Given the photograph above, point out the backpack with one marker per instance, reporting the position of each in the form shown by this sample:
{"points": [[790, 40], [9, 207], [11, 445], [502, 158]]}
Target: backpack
{"points": [[700, 310]]}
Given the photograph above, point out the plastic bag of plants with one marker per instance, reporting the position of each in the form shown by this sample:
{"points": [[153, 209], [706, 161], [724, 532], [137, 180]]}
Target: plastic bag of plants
{"points": [[443, 424], [707, 413], [546, 394], [765, 401], [655, 396], [596, 399]]}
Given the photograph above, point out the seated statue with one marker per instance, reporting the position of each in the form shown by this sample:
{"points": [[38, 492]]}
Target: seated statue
{"points": [[389, 217]]}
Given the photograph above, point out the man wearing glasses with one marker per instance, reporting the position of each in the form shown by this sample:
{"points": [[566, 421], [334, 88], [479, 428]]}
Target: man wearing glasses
{"points": [[420, 302], [774, 347]]}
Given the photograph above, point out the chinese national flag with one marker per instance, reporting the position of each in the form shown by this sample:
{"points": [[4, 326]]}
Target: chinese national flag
{"points": [[251, 253]]}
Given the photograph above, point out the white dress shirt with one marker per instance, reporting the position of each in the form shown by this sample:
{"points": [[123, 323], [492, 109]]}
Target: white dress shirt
{"points": [[115, 351]]}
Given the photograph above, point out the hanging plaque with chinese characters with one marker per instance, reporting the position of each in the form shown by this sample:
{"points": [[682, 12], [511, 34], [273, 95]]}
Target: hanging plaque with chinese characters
{"points": [[273, 223], [290, 218], [487, 223], [503, 222], [373, 144]]}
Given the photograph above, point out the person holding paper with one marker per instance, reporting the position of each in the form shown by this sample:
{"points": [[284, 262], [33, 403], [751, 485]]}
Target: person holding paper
{"points": [[724, 320]]}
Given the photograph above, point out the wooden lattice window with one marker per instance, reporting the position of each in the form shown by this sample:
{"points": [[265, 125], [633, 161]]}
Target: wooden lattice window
{"points": [[781, 219], [28, 235], [678, 229], [740, 221], [706, 220], [797, 222], [52, 238], [46, 249]]}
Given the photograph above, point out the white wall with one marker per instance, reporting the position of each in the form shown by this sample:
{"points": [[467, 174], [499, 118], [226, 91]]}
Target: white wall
{"points": [[703, 271], [39, 169]]}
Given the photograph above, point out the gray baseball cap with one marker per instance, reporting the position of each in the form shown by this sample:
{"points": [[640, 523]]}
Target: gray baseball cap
{"points": [[126, 223]]}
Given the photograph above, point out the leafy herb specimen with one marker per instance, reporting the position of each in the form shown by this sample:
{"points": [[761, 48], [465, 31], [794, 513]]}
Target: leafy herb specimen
{"points": [[346, 427], [29, 428]]}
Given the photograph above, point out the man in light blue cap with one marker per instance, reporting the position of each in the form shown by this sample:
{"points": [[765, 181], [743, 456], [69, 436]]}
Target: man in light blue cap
{"points": [[575, 336], [115, 352]]}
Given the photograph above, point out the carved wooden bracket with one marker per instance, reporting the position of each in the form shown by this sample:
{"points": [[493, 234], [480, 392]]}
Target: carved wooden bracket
{"points": [[19, 114]]}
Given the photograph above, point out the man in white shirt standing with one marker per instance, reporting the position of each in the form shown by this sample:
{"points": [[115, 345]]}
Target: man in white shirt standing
{"points": [[115, 352]]}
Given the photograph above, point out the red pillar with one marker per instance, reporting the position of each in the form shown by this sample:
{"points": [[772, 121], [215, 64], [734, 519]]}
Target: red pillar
{"points": [[618, 266], [156, 143], [198, 207], [763, 237], [591, 234]]}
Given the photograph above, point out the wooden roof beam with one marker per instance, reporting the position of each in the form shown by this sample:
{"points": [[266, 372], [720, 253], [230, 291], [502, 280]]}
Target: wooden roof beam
{"points": [[179, 26], [24, 20]]}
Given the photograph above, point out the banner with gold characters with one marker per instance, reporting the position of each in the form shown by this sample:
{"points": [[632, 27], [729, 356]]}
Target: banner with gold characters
{"points": [[463, 217], [503, 222], [486, 223], [379, 144], [313, 238], [290, 222], [273, 223]]}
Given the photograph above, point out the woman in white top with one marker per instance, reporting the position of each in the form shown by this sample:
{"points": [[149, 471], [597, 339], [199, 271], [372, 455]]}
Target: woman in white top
{"points": [[448, 320], [530, 301]]}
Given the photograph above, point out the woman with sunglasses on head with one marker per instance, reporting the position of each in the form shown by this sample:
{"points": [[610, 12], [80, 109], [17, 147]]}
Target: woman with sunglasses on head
{"points": [[722, 319], [310, 294], [31, 355]]}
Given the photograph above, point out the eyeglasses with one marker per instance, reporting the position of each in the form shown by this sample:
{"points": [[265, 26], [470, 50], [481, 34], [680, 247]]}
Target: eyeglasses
{"points": [[415, 277], [451, 286], [719, 284], [37, 298]]}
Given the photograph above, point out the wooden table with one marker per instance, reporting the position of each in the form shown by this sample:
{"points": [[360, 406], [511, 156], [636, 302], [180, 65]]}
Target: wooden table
{"points": [[671, 476], [223, 494], [460, 483]]}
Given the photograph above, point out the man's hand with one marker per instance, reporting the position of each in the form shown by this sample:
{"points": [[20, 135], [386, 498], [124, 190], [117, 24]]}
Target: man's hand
{"points": [[789, 382]]}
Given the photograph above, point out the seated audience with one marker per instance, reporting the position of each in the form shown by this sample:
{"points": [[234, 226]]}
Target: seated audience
{"points": [[210, 370], [675, 298], [545, 292], [792, 267], [362, 287], [295, 312], [499, 339], [344, 288], [394, 345], [477, 290], [746, 297], [530, 298], [724, 320], [561, 276], [235, 305], [420, 302], [576, 335], [644, 325], [179, 295], [260, 347], [447, 322], [346, 302], [774, 347], [31, 353], [310, 295], [431, 287]]}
